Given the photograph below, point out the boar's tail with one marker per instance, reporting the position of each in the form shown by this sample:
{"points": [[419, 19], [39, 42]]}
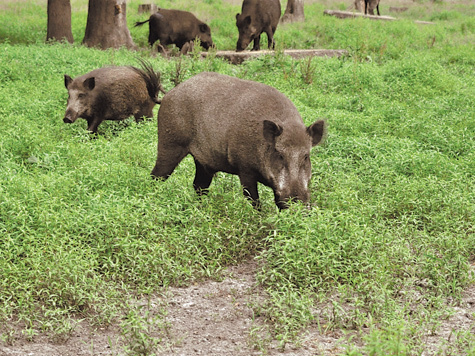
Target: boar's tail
{"points": [[141, 23], [152, 80]]}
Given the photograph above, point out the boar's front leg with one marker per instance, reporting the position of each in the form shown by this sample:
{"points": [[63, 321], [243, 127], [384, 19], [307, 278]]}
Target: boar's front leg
{"points": [[249, 189], [203, 178], [92, 124], [257, 43]]}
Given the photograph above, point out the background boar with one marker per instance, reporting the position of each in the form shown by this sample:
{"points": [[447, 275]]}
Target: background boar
{"points": [[239, 127], [257, 16], [112, 93], [177, 27], [370, 5]]}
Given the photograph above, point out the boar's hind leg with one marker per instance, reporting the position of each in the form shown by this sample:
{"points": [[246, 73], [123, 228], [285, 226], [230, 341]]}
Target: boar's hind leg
{"points": [[167, 160], [270, 38], [203, 178], [249, 189]]}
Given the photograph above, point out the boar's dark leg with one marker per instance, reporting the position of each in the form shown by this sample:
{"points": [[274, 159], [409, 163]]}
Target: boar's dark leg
{"points": [[92, 125], [270, 38], [167, 160], [257, 43], [249, 189], [203, 178]]}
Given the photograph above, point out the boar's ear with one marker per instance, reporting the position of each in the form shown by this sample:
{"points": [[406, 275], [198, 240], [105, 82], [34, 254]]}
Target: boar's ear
{"points": [[204, 28], [316, 131], [90, 83], [247, 20], [271, 130], [237, 17], [67, 80]]}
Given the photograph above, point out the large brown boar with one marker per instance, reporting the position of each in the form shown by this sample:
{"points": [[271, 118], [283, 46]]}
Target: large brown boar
{"points": [[177, 27], [239, 127], [112, 93], [256, 17]]}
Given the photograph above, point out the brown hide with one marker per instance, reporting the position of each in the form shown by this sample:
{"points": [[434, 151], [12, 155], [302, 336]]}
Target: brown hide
{"points": [[111, 93], [239, 127], [257, 16], [177, 27]]}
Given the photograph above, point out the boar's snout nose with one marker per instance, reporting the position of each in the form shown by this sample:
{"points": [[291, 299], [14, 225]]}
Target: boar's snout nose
{"points": [[282, 201], [70, 117]]}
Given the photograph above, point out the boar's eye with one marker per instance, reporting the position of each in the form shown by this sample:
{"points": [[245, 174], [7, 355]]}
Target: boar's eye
{"points": [[81, 95], [306, 160], [278, 158]]}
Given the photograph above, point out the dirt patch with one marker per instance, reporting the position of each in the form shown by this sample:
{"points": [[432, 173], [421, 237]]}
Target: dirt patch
{"points": [[216, 318], [208, 318]]}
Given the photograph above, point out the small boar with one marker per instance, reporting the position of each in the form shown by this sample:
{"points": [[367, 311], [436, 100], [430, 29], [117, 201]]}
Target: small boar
{"points": [[177, 27], [257, 16], [370, 5], [239, 127], [112, 93]]}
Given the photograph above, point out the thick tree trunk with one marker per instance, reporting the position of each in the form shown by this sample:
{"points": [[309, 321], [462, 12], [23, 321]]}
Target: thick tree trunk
{"points": [[359, 6], [59, 21], [107, 25], [293, 12]]}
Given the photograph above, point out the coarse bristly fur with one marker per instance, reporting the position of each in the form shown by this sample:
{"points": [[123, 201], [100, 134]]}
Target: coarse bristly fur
{"points": [[112, 93], [169, 26], [240, 127], [152, 79], [257, 17]]}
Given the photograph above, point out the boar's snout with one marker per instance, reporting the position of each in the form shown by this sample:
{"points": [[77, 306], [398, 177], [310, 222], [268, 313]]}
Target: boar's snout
{"points": [[284, 197], [207, 44], [70, 117], [240, 45]]}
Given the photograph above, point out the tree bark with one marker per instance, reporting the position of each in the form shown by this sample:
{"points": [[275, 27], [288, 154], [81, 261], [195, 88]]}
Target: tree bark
{"points": [[107, 25], [359, 6], [293, 12], [59, 21]]}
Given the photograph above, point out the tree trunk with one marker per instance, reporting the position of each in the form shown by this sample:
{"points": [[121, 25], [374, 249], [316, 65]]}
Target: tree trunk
{"points": [[107, 25], [359, 5], [293, 12], [59, 21]]}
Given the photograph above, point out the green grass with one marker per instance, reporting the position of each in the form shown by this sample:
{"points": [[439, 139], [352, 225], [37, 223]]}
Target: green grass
{"points": [[84, 228]]}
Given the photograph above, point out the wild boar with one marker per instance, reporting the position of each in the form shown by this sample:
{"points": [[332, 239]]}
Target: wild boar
{"points": [[240, 127], [177, 27], [257, 16], [370, 5], [112, 93]]}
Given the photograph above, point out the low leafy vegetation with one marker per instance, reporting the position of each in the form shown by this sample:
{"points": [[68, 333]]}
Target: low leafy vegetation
{"points": [[385, 251]]}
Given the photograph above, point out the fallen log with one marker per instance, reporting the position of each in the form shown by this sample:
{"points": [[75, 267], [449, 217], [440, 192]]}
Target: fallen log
{"points": [[348, 15], [239, 57]]}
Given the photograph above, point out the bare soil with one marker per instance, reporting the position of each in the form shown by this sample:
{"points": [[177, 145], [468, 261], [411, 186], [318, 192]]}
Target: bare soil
{"points": [[208, 318], [216, 318]]}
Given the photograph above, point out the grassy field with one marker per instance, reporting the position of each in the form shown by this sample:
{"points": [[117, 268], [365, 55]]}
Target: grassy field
{"points": [[386, 251]]}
